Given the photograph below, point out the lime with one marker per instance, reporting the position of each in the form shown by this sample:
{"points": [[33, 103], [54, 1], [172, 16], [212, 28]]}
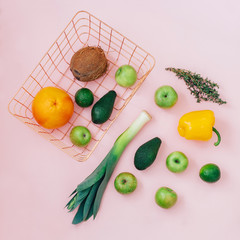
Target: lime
{"points": [[84, 97], [210, 173]]}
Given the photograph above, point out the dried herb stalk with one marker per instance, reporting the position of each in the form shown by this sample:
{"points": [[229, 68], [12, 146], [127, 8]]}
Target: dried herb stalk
{"points": [[201, 88]]}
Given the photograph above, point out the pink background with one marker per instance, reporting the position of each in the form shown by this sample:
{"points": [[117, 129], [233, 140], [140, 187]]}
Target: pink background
{"points": [[36, 177]]}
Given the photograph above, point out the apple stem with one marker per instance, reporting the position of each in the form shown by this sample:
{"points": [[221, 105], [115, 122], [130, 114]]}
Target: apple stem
{"points": [[124, 181], [218, 135]]}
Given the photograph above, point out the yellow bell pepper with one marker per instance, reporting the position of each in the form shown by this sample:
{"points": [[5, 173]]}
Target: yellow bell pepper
{"points": [[198, 125]]}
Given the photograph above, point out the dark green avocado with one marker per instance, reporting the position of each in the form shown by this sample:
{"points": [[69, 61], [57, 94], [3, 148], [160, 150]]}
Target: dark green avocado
{"points": [[103, 108], [147, 153]]}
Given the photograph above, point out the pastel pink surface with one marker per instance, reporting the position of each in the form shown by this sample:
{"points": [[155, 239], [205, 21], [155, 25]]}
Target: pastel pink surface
{"points": [[36, 177]]}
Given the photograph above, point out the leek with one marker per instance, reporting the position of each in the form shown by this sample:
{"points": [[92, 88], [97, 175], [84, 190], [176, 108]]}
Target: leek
{"points": [[88, 194]]}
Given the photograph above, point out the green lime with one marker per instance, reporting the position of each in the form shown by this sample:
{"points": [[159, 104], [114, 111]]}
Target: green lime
{"points": [[84, 97], [210, 173]]}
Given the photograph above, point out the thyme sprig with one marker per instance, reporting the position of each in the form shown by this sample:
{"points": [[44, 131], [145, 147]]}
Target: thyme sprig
{"points": [[203, 89]]}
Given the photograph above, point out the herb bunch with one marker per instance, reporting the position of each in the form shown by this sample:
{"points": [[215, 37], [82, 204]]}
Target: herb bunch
{"points": [[203, 89]]}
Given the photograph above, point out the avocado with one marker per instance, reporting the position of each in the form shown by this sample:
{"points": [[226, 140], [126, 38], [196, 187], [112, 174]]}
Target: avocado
{"points": [[147, 153], [103, 108]]}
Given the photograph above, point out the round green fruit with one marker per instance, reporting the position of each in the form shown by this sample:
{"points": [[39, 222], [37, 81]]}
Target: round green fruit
{"points": [[84, 97], [177, 162], [166, 97], [80, 136], [165, 197], [125, 183], [126, 76], [210, 173]]}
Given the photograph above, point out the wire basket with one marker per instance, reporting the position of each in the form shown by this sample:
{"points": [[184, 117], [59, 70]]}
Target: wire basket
{"points": [[53, 70]]}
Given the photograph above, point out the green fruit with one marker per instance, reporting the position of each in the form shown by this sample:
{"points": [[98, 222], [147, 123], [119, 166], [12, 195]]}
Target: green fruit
{"points": [[126, 76], [125, 183], [103, 108], [166, 97], [147, 153], [80, 136], [165, 197], [210, 173], [84, 97], [177, 162]]}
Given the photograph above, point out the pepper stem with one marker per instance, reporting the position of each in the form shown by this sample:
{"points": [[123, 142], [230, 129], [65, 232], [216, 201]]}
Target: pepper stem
{"points": [[218, 135]]}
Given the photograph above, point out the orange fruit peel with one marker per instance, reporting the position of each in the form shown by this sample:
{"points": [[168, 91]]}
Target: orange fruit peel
{"points": [[52, 107]]}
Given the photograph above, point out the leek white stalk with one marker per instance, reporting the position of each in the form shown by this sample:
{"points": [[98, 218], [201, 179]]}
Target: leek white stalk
{"points": [[88, 194]]}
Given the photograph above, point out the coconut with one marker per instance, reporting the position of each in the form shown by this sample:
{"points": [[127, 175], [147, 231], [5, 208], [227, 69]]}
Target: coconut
{"points": [[88, 63]]}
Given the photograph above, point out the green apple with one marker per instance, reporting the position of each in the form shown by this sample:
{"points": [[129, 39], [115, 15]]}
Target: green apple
{"points": [[126, 76], [125, 183], [177, 162], [165, 96], [80, 136], [165, 197]]}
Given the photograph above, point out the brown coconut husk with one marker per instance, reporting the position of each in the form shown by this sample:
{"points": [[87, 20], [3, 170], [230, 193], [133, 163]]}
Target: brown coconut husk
{"points": [[88, 64]]}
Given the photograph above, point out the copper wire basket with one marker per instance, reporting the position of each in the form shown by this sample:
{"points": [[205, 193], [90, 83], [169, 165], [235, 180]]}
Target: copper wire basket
{"points": [[53, 70]]}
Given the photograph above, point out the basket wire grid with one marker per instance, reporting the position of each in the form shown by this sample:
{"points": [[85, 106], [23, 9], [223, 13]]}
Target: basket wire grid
{"points": [[53, 70]]}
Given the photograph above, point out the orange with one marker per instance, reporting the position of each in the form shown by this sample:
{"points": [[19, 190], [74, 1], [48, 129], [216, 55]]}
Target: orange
{"points": [[52, 107]]}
